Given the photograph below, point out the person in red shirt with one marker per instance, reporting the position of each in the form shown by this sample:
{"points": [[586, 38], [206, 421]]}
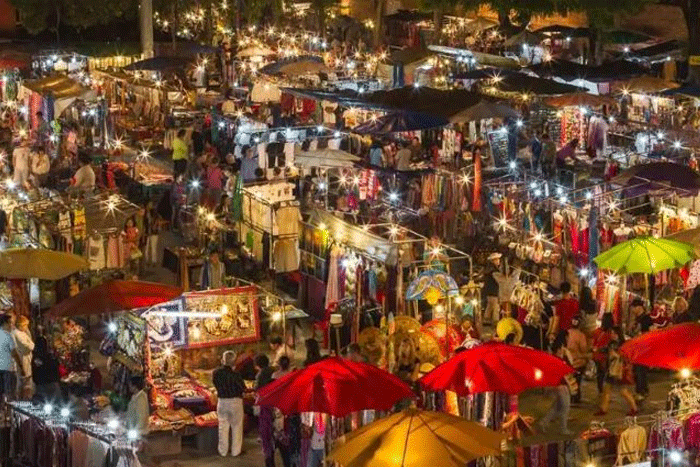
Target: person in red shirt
{"points": [[564, 310], [601, 338]]}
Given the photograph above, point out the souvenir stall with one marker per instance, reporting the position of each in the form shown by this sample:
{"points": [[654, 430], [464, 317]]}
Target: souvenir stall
{"points": [[52, 95], [269, 227], [185, 340]]}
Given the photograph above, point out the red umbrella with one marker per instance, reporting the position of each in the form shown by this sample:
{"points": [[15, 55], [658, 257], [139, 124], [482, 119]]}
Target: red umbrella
{"points": [[674, 348], [336, 387], [497, 367], [113, 296]]}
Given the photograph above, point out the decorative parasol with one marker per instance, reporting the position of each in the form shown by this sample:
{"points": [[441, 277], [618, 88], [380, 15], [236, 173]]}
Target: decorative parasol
{"points": [[449, 338], [28, 263], [496, 367], [335, 386], [114, 296], [304, 67], [647, 255], [417, 438], [674, 348], [432, 285]]}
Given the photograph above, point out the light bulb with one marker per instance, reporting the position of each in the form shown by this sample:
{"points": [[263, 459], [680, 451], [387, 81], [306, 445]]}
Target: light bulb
{"points": [[113, 424], [538, 374], [277, 316], [675, 457], [65, 412], [112, 327], [685, 373], [132, 435], [48, 408]]}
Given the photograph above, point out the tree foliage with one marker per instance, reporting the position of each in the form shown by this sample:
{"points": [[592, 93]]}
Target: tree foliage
{"points": [[40, 15]]}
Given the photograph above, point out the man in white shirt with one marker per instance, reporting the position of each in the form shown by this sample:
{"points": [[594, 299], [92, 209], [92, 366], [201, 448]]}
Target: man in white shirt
{"points": [[84, 178], [9, 359], [138, 410], [403, 159]]}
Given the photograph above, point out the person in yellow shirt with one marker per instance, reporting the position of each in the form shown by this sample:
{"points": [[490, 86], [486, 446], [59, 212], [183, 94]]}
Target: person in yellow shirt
{"points": [[180, 153]]}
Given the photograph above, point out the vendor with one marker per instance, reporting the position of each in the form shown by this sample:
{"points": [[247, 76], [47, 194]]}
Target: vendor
{"points": [[568, 151], [213, 271], [138, 410], [84, 178]]}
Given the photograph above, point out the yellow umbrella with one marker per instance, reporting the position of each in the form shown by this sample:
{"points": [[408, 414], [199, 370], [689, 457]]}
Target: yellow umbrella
{"points": [[28, 263], [416, 438]]}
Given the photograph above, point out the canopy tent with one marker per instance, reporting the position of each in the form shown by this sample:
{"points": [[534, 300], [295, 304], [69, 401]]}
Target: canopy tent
{"points": [[659, 177], [481, 73], [63, 90], [304, 67], [275, 68], [423, 99], [255, 51], [159, 64], [400, 121], [523, 37], [522, 83], [570, 71], [566, 31], [580, 99], [659, 52], [480, 58], [484, 110], [621, 36], [325, 158], [646, 84]]}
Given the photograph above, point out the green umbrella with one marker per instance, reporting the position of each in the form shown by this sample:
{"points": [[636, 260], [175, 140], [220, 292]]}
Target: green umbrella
{"points": [[646, 255]]}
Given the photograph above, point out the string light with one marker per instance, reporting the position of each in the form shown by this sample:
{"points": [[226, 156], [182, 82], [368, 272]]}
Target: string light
{"points": [[113, 424], [459, 300], [112, 327], [65, 412], [686, 373], [48, 408], [277, 316], [538, 374], [583, 272]]}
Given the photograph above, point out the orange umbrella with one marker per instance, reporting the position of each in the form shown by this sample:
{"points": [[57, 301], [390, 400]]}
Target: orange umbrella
{"points": [[116, 295]]}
